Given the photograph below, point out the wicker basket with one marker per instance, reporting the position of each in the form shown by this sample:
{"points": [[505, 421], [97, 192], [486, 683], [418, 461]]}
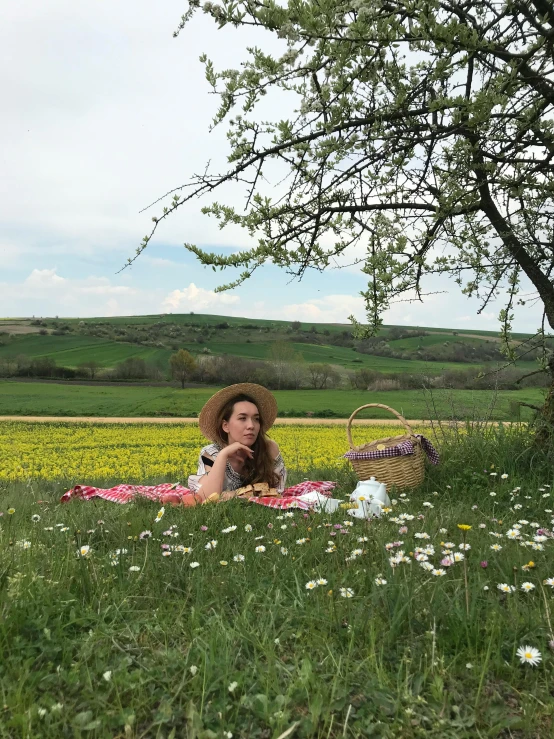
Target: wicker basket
{"points": [[405, 471]]}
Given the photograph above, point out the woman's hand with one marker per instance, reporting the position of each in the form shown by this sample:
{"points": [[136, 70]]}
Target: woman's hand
{"points": [[237, 451]]}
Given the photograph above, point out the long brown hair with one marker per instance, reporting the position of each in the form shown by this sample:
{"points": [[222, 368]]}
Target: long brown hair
{"points": [[262, 467]]}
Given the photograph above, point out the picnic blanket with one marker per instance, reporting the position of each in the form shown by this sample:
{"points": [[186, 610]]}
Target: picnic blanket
{"points": [[176, 494], [399, 450]]}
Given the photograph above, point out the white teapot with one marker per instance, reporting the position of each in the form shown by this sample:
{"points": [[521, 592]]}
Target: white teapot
{"points": [[371, 496]]}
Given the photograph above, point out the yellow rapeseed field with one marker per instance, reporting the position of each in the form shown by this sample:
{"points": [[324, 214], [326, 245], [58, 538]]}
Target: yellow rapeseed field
{"points": [[88, 452]]}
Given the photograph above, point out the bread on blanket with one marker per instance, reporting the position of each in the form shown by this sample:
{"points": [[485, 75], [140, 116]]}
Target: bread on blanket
{"points": [[257, 490]]}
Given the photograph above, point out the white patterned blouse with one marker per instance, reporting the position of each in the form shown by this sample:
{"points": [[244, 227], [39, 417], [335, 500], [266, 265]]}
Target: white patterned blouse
{"points": [[233, 481]]}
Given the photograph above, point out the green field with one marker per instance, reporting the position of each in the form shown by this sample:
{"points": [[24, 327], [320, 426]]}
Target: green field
{"points": [[72, 349], [235, 621], [52, 399]]}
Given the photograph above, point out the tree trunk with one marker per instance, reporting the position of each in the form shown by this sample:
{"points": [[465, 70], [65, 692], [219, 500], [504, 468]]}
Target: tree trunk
{"points": [[182, 383], [544, 436]]}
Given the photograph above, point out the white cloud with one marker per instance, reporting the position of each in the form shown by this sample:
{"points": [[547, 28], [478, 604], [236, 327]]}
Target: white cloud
{"points": [[330, 309], [197, 299], [44, 279]]}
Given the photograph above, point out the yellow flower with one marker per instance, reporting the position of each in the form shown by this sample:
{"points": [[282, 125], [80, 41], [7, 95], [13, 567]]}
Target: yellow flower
{"points": [[464, 526], [11, 511]]}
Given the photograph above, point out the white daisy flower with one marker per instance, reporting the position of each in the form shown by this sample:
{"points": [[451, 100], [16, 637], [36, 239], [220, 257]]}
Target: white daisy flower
{"points": [[527, 587], [529, 655]]}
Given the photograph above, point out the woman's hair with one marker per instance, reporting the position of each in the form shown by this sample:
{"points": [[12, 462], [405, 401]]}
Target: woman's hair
{"points": [[261, 468]]}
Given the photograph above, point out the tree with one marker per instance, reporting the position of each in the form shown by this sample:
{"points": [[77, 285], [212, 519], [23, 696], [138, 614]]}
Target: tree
{"points": [[91, 366], [422, 133], [297, 369], [322, 375], [281, 354], [182, 365]]}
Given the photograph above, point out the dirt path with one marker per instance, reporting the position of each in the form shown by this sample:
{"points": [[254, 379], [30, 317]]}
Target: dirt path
{"points": [[284, 421]]}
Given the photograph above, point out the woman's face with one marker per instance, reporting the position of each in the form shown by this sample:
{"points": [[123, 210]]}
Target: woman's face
{"points": [[244, 423]]}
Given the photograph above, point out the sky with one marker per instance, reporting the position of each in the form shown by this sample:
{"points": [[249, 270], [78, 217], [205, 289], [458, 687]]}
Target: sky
{"points": [[104, 111]]}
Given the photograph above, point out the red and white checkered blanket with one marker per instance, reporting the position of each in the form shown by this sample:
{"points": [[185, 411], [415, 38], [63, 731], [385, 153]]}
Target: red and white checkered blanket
{"points": [[173, 493]]}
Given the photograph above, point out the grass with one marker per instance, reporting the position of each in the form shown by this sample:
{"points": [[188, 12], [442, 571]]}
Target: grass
{"points": [[71, 351], [54, 399], [93, 649]]}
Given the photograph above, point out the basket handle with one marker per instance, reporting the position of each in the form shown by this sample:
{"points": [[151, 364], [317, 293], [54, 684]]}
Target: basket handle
{"points": [[375, 405]]}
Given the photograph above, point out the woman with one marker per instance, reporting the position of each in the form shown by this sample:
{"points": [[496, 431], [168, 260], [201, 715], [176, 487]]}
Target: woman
{"points": [[236, 420]]}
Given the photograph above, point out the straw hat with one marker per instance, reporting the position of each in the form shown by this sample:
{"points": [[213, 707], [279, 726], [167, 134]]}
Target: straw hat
{"points": [[267, 405]]}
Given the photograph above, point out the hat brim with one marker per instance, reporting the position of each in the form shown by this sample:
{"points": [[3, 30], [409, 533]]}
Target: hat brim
{"points": [[264, 399]]}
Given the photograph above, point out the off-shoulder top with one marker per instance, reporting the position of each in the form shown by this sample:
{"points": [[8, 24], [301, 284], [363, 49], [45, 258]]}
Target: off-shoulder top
{"points": [[232, 480]]}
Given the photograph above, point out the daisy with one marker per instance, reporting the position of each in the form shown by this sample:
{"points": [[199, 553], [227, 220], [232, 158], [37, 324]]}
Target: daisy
{"points": [[421, 535], [346, 592], [160, 514], [228, 529], [426, 566], [134, 568], [194, 565], [496, 547], [248, 527], [64, 528], [527, 587], [357, 552], [84, 551], [211, 544], [311, 585], [540, 537], [448, 544], [145, 535], [420, 557], [284, 550], [301, 541], [329, 550], [458, 557], [537, 547], [261, 548], [513, 534], [438, 573], [166, 554], [380, 581], [505, 588], [464, 547], [35, 518], [186, 550], [529, 655], [238, 558], [321, 581], [362, 539], [49, 528]]}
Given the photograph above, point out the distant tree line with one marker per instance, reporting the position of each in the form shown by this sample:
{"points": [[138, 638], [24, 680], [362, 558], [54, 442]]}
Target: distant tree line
{"points": [[283, 369]]}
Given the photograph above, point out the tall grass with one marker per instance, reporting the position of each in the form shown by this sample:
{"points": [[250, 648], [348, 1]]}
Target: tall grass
{"points": [[90, 648]]}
